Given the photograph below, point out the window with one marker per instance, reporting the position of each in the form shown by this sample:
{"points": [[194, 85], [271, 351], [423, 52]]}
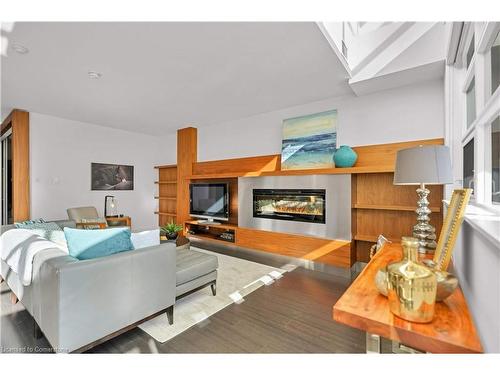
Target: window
{"points": [[470, 52], [495, 64], [495, 161], [475, 136], [468, 163], [471, 103]]}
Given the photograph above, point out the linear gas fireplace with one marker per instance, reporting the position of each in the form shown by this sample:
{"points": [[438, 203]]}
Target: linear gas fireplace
{"points": [[290, 204]]}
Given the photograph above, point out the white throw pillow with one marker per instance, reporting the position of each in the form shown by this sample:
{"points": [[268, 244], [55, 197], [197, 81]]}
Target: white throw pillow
{"points": [[145, 239]]}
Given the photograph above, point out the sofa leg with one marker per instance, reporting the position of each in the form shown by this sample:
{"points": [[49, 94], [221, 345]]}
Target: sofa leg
{"points": [[1, 280], [37, 332], [170, 315], [214, 288], [13, 298]]}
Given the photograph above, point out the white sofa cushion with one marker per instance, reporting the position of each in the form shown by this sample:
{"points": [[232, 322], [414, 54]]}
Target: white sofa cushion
{"points": [[146, 238]]}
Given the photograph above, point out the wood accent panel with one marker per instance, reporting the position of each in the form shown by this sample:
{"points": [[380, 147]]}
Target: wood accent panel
{"points": [[361, 306], [362, 249], [18, 121], [299, 172], [238, 166], [371, 159], [334, 252], [21, 165], [187, 155], [392, 224], [392, 208], [380, 207], [385, 154], [379, 190]]}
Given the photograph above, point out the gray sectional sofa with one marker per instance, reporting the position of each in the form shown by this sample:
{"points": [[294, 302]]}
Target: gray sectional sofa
{"points": [[80, 303]]}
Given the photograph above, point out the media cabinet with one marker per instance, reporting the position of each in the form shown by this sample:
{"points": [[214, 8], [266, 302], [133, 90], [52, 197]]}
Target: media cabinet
{"points": [[377, 206]]}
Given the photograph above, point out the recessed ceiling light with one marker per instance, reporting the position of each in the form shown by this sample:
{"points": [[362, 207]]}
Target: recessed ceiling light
{"points": [[20, 48], [94, 75]]}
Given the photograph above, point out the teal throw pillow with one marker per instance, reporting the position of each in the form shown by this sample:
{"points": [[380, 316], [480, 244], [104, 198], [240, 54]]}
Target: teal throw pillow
{"points": [[89, 244]]}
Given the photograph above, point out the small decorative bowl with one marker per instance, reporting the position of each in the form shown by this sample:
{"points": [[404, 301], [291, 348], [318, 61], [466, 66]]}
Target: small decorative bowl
{"points": [[446, 283]]}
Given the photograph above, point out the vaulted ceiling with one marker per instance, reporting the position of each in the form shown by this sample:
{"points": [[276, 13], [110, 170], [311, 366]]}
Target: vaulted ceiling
{"points": [[157, 77]]}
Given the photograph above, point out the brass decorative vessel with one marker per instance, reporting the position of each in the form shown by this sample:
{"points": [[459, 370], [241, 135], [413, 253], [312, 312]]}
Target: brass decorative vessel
{"points": [[446, 282], [411, 287]]}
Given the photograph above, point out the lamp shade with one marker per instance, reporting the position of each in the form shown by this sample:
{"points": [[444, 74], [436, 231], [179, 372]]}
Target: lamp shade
{"points": [[423, 165]]}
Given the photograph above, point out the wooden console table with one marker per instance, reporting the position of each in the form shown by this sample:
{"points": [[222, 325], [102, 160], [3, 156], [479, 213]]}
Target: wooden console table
{"points": [[124, 221], [362, 306]]}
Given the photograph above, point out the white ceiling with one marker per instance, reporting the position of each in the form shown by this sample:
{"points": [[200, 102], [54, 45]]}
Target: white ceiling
{"points": [[157, 77]]}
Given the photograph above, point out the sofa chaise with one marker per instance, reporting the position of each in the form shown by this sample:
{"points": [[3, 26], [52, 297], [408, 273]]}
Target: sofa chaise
{"points": [[78, 304]]}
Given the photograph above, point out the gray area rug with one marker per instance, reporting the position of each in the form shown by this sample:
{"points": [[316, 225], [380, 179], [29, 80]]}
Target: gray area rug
{"points": [[236, 279]]}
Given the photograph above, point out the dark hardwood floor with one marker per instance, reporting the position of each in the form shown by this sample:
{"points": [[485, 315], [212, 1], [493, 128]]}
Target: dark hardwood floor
{"points": [[292, 315]]}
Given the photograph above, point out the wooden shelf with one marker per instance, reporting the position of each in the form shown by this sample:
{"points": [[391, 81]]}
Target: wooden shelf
{"points": [[166, 182], [166, 198], [372, 238], [221, 226], [165, 166], [298, 172], [211, 232], [391, 207], [165, 213]]}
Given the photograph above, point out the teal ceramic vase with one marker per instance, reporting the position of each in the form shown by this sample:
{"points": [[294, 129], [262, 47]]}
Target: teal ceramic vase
{"points": [[345, 157]]}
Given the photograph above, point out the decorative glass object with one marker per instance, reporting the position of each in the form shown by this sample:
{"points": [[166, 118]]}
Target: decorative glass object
{"points": [[345, 157], [411, 287]]}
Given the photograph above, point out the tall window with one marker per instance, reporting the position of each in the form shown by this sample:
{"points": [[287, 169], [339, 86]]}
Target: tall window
{"points": [[470, 52], [495, 161], [478, 73], [471, 103], [495, 64], [468, 162]]}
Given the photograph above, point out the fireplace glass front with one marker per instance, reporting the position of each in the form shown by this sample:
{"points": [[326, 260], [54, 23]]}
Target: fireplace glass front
{"points": [[290, 204]]}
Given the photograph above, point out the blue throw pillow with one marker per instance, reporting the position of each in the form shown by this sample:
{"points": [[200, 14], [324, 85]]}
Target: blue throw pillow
{"points": [[96, 243]]}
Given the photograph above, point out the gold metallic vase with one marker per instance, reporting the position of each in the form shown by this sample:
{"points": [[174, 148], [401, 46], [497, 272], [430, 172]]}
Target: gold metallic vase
{"points": [[411, 287]]}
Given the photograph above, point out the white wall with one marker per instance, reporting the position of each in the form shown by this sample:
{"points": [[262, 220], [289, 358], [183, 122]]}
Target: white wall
{"points": [[60, 155], [406, 113], [476, 259]]}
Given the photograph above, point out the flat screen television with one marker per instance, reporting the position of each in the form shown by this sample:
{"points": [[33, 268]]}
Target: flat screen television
{"points": [[209, 201]]}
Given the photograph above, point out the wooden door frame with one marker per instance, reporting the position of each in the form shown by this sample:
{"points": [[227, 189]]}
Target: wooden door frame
{"points": [[18, 121]]}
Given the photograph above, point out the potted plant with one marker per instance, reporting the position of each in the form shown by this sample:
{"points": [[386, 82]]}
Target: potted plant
{"points": [[171, 230]]}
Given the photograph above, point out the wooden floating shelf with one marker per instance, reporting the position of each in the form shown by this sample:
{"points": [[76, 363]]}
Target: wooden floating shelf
{"points": [[372, 238], [165, 213], [298, 172], [166, 198], [166, 182], [221, 226], [166, 166], [391, 207]]}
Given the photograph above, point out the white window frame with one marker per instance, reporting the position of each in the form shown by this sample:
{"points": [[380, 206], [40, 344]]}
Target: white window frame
{"points": [[487, 106]]}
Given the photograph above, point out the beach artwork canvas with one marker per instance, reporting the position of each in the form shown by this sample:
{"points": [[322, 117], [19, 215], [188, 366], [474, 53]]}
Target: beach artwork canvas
{"points": [[309, 141]]}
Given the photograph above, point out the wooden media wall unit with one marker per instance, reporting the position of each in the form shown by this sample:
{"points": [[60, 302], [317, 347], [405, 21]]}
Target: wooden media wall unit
{"points": [[377, 206]]}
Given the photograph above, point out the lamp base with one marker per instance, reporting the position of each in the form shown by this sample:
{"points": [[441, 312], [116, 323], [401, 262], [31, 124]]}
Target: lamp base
{"points": [[423, 231]]}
